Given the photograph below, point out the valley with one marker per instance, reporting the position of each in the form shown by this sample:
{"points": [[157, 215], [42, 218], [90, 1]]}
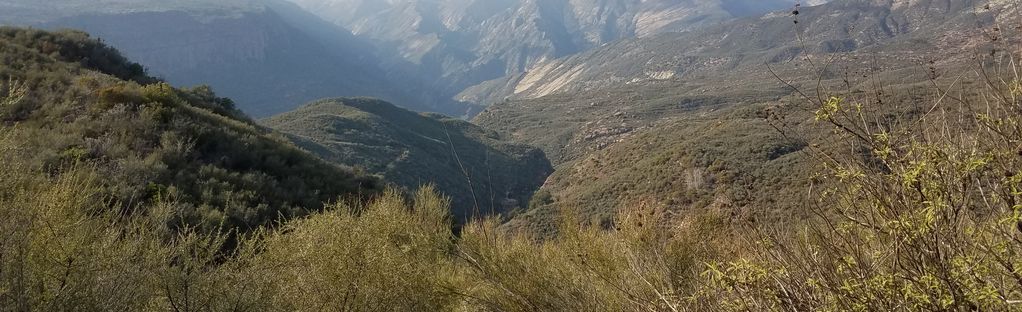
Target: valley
{"points": [[269, 56], [510, 155], [609, 128], [471, 45], [483, 173]]}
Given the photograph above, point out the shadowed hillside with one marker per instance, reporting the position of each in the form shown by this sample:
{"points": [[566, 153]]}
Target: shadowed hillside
{"points": [[465, 43], [483, 173], [270, 56], [885, 177]]}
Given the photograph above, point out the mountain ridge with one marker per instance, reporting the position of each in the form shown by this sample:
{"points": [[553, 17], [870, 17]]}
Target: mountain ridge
{"points": [[744, 46], [482, 172], [598, 113], [268, 55], [467, 42], [87, 108]]}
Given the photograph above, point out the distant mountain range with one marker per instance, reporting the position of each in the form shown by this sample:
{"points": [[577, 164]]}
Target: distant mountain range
{"points": [[466, 43], [689, 109], [436, 56], [270, 56], [741, 48]]}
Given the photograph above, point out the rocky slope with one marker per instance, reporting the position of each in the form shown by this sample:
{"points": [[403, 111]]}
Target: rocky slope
{"points": [[916, 30], [691, 109], [468, 42], [663, 76], [483, 173]]}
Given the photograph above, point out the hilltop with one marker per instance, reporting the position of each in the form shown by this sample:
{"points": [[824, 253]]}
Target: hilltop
{"points": [[270, 56], [85, 106], [480, 170]]}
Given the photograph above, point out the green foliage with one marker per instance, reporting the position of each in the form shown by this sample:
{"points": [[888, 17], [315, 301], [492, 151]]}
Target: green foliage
{"points": [[645, 264], [481, 171], [384, 255], [732, 160], [914, 210], [60, 249], [75, 47], [390, 254], [12, 93], [67, 95], [541, 198], [932, 227], [925, 220]]}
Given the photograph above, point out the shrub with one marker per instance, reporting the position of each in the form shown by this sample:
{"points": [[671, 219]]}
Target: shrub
{"points": [[648, 262], [381, 256], [927, 217]]}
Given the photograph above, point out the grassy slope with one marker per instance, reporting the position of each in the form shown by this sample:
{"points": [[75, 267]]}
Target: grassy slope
{"points": [[86, 104], [413, 149]]}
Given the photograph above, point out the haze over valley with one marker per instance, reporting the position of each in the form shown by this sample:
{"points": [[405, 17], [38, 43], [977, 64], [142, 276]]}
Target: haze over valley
{"points": [[510, 155]]}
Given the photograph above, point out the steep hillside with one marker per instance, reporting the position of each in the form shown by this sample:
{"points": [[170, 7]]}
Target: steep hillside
{"points": [[612, 121], [590, 100], [467, 42], [480, 170], [268, 55], [79, 104], [900, 33]]}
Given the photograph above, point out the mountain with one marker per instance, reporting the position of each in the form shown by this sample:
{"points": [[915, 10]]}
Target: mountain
{"points": [[573, 105], [691, 108], [269, 56], [481, 171], [79, 105], [468, 42], [893, 29], [863, 155]]}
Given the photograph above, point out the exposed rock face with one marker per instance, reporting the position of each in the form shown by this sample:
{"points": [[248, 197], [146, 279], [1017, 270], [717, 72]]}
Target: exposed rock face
{"points": [[669, 74], [468, 42], [269, 56], [838, 27], [686, 119]]}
